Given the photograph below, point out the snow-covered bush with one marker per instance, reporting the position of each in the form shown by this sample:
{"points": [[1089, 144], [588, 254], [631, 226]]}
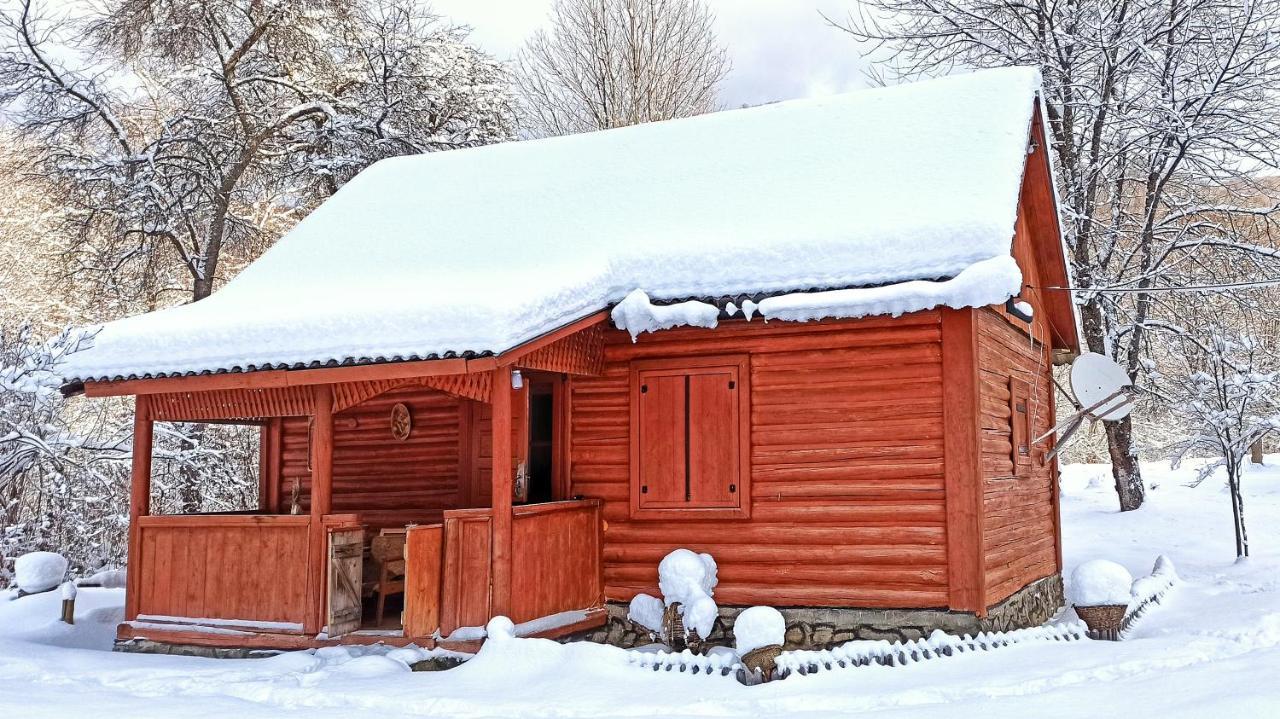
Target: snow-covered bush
{"points": [[758, 627], [107, 578], [690, 579], [1100, 582], [39, 571], [646, 611]]}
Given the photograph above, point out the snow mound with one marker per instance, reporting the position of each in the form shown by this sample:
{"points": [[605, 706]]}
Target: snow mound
{"points": [[500, 629], [1099, 582], [39, 571], [107, 578], [646, 611], [683, 574], [690, 579], [758, 627], [636, 314]]}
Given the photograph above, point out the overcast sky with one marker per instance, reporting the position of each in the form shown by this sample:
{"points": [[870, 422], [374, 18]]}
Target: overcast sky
{"points": [[780, 49]]}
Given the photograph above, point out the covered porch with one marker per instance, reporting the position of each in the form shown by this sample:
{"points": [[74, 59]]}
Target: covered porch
{"points": [[446, 480]]}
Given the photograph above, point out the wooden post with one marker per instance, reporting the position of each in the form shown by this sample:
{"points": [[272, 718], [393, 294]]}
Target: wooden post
{"points": [[1255, 452], [500, 597], [321, 501], [962, 461], [139, 503]]}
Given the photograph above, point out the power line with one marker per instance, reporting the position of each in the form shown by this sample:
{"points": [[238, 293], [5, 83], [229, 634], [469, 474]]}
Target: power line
{"points": [[1275, 282]]}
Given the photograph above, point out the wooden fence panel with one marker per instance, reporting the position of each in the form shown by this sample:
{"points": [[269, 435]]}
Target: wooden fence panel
{"points": [[557, 566], [249, 568], [467, 571], [424, 569]]}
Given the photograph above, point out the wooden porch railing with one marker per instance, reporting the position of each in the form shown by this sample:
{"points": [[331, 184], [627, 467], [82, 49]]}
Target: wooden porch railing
{"points": [[557, 566], [244, 568]]}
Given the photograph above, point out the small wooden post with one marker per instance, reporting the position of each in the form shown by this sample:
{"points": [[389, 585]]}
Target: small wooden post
{"points": [[500, 600], [1255, 452], [139, 502], [321, 500], [69, 602]]}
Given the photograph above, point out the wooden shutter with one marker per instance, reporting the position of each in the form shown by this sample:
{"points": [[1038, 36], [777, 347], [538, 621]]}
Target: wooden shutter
{"points": [[1020, 426], [713, 438], [346, 555], [662, 440], [689, 443]]}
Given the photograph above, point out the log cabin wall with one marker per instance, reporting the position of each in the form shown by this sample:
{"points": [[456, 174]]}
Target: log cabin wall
{"points": [[388, 481], [1020, 523], [847, 503], [1021, 527]]}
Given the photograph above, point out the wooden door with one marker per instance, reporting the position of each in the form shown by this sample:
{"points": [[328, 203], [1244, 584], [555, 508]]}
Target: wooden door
{"points": [[346, 557]]}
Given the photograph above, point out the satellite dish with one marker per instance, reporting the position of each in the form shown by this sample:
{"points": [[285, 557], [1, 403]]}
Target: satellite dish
{"points": [[1101, 387]]}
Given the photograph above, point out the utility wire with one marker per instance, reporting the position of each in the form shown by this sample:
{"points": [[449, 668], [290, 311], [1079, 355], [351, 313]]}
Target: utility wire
{"points": [[1188, 288]]}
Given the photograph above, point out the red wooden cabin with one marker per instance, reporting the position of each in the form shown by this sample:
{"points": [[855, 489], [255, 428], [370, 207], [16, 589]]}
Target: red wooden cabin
{"points": [[867, 448]]}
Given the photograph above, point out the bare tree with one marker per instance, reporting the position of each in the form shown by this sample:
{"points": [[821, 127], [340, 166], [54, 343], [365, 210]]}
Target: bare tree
{"points": [[1227, 398], [611, 63], [1157, 110], [197, 125]]}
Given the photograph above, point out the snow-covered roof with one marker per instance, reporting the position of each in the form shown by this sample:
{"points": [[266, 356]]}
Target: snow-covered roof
{"points": [[480, 250]]}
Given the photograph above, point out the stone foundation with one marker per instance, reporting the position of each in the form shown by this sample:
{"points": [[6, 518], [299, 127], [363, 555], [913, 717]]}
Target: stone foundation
{"points": [[824, 627], [146, 646]]}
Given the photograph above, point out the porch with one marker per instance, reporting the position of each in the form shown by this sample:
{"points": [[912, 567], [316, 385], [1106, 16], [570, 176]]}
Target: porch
{"points": [[480, 537]]}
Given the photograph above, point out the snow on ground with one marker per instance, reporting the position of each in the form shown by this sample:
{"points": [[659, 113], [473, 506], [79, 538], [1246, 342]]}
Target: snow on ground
{"points": [[1212, 646]]}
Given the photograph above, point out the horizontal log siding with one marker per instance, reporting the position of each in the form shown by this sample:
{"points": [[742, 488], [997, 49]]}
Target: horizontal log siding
{"points": [[847, 476], [398, 481], [1019, 528]]}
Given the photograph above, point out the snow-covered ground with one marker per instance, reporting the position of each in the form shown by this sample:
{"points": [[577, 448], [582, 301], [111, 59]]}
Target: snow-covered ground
{"points": [[1211, 648]]}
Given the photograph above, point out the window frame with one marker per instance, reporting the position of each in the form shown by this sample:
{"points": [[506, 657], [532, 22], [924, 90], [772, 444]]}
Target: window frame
{"points": [[740, 365]]}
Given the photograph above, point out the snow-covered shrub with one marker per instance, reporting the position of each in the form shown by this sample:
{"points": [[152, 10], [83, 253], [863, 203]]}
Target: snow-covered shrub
{"points": [[39, 571], [683, 573], [646, 611], [107, 578], [758, 627], [690, 579], [1100, 582]]}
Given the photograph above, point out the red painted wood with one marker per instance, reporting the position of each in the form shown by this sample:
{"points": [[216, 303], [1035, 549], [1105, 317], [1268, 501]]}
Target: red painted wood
{"points": [[846, 464], [246, 567], [139, 503], [321, 502], [660, 461], [714, 437], [465, 598], [424, 577], [966, 578], [1022, 534], [501, 488], [558, 564]]}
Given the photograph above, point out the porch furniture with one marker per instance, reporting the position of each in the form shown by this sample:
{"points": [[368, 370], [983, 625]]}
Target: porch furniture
{"points": [[387, 550]]}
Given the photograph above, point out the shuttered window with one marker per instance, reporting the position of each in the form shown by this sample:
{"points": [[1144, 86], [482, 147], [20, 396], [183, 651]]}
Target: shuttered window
{"points": [[689, 443], [1020, 426]]}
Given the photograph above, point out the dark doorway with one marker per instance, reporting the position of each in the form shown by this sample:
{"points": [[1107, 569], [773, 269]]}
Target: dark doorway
{"points": [[542, 414]]}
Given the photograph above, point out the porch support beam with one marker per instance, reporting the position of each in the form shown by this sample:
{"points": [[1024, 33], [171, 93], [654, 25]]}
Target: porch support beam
{"points": [[139, 503], [500, 601], [321, 503]]}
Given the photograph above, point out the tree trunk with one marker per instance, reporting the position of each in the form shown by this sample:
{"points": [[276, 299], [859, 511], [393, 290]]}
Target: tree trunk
{"points": [[1124, 465], [189, 494], [1237, 511], [1255, 452], [1124, 461]]}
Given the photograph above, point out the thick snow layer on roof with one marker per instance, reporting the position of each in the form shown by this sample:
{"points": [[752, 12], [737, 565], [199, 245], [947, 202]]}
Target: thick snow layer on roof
{"points": [[480, 250]]}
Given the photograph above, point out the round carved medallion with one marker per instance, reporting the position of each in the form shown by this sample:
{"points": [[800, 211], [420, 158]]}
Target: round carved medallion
{"points": [[401, 422]]}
